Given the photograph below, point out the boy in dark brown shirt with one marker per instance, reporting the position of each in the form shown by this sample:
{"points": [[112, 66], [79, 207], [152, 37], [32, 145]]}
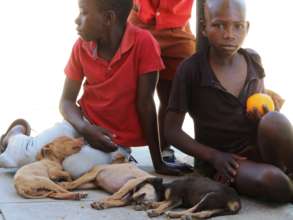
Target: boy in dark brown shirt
{"points": [[254, 156]]}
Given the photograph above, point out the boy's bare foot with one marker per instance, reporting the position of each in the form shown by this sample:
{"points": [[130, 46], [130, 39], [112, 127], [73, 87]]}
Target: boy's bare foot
{"points": [[19, 126]]}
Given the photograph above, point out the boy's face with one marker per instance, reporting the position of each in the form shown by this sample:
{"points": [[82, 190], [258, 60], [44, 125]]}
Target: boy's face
{"points": [[225, 27], [90, 20]]}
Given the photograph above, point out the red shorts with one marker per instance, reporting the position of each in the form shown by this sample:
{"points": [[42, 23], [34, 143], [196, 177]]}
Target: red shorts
{"points": [[176, 44], [171, 64]]}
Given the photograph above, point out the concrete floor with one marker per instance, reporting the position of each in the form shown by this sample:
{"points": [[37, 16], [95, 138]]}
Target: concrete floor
{"points": [[13, 207]]}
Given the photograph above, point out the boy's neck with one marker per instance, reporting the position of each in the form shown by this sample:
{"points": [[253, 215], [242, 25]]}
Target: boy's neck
{"points": [[222, 59], [107, 47]]}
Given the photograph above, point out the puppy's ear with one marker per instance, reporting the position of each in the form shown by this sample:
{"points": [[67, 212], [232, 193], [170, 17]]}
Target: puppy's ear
{"points": [[44, 152], [156, 181], [159, 187]]}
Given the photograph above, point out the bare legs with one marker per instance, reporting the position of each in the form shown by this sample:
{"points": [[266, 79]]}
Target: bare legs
{"points": [[275, 140], [263, 181], [163, 90], [268, 180]]}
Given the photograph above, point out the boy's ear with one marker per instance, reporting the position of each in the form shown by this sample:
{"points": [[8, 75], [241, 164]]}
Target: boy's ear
{"points": [[247, 26], [203, 26], [110, 17]]}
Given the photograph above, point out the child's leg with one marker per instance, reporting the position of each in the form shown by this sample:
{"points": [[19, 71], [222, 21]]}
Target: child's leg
{"points": [[275, 141], [263, 181], [163, 90], [268, 180], [22, 149]]}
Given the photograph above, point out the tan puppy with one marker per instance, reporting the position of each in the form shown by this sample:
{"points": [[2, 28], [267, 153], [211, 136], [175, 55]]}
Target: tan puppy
{"points": [[36, 180], [125, 181]]}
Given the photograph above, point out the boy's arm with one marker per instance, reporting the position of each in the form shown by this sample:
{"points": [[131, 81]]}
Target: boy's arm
{"points": [[177, 137], [148, 118], [225, 163], [67, 105], [97, 137]]}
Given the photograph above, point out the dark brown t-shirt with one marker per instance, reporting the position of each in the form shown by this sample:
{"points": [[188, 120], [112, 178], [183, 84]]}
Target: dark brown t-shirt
{"points": [[220, 119]]}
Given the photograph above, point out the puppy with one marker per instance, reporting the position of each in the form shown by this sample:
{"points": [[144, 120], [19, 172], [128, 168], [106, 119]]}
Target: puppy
{"points": [[126, 182], [36, 180], [202, 196]]}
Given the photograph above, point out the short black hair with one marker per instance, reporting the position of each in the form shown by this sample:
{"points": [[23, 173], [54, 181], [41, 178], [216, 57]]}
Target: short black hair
{"points": [[122, 8]]}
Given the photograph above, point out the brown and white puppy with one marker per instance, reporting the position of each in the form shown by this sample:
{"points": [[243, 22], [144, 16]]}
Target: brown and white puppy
{"points": [[202, 196], [126, 182], [36, 180]]}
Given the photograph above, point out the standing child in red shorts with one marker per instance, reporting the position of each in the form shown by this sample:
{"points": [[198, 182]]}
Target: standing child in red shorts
{"points": [[167, 20]]}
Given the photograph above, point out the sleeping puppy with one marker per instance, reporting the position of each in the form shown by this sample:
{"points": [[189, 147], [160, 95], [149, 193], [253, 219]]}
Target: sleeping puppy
{"points": [[36, 180], [202, 196], [126, 182]]}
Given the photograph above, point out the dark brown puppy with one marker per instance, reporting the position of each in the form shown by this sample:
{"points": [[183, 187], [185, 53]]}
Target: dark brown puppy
{"points": [[202, 196]]}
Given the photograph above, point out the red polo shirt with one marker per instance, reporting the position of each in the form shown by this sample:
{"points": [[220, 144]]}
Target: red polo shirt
{"points": [[164, 14], [109, 96]]}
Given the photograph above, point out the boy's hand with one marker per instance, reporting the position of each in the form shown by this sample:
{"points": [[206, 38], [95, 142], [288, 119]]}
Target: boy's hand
{"points": [[227, 164], [254, 116], [277, 99], [99, 138], [174, 169]]}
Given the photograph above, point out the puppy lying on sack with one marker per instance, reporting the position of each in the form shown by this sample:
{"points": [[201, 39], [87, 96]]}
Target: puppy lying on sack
{"points": [[37, 180]]}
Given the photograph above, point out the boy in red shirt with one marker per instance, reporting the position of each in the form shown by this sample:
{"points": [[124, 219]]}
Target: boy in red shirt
{"points": [[118, 64], [167, 20]]}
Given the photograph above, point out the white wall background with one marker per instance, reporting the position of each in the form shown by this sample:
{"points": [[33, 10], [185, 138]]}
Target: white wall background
{"points": [[36, 38]]}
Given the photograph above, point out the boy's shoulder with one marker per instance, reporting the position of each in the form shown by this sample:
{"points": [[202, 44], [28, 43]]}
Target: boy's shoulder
{"points": [[255, 60], [133, 35], [253, 54], [192, 63]]}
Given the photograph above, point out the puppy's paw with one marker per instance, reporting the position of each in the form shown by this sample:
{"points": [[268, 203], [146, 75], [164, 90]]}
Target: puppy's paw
{"points": [[139, 207], [171, 214], [142, 205], [99, 205], [188, 217], [153, 213], [80, 195], [149, 205], [65, 185], [67, 178], [83, 195]]}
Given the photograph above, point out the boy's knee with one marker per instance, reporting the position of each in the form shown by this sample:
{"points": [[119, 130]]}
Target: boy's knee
{"points": [[275, 185], [273, 124]]}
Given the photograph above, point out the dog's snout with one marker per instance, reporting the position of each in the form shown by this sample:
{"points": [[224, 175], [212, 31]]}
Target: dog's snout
{"points": [[234, 206], [79, 141], [77, 148]]}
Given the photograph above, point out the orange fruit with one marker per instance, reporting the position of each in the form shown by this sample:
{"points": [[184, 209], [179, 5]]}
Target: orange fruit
{"points": [[258, 100]]}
